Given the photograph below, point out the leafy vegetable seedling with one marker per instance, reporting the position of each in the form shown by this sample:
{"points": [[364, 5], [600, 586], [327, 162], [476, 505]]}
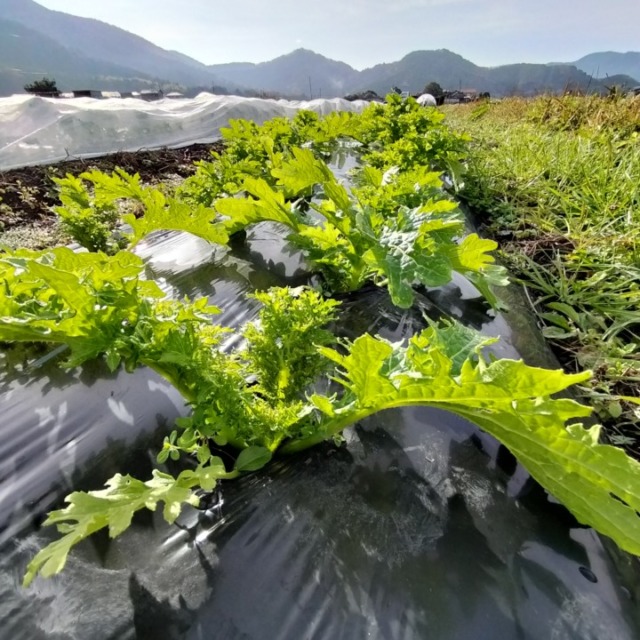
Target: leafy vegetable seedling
{"points": [[261, 400]]}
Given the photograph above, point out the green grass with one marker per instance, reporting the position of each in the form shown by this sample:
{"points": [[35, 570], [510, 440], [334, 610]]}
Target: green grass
{"points": [[557, 182]]}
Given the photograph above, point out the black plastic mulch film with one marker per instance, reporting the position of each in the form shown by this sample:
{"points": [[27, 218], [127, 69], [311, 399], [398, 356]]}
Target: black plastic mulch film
{"points": [[421, 526]]}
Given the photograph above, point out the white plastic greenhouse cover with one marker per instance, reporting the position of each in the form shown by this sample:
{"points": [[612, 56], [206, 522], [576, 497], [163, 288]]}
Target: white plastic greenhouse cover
{"points": [[37, 130]]}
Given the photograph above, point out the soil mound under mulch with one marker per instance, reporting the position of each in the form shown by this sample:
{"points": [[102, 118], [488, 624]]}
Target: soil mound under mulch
{"points": [[27, 194]]}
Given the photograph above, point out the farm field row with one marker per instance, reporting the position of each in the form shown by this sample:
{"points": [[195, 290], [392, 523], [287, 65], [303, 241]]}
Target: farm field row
{"points": [[392, 226]]}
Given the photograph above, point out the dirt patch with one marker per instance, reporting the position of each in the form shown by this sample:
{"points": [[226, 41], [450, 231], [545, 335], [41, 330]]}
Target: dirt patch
{"points": [[28, 194], [544, 249]]}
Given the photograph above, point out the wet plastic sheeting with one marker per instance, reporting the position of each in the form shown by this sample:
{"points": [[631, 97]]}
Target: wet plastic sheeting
{"points": [[420, 527]]}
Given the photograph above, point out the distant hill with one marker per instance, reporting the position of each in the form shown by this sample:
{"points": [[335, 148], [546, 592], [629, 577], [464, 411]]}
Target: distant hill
{"points": [[532, 79], [26, 55], [100, 42], [292, 74], [418, 68], [85, 53], [301, 73], [611, 63], [452, 71]]}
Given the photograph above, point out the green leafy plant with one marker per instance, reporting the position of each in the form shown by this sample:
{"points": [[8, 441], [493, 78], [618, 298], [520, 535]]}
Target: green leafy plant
{"points": [[101, 305], [598, 483], [399, 134], [91, 215], [371, 235], [62, 296], [89, 219], [385, 191], [254, 151], [402, 133], [114, 508], [282, 348], [396, 227], [441, 367], [221, 176], [169, 214]]}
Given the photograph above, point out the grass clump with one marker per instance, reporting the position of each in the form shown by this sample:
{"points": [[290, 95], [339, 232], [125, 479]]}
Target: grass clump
{"points": [[557, 181]]}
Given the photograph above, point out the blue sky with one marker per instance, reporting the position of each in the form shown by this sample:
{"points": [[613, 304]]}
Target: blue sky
{"points": [[367, 32]]}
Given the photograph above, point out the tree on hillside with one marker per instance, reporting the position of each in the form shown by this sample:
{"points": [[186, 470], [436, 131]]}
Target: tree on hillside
{"points": [[45, 85], [434, 89]]}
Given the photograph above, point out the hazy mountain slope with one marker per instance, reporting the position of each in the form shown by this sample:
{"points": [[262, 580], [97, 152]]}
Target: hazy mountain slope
{"points": [[99, 41], [531, 79], [452, 71], [418, 68], [85, 52], [618, 80], [611, 63], [290, 75], [26, 55]]}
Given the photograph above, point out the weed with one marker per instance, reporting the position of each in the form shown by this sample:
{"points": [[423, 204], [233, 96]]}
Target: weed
{"points": [[559, 178]]}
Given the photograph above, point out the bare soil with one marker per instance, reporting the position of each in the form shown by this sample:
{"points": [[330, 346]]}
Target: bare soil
{"points": [[28, 194]]}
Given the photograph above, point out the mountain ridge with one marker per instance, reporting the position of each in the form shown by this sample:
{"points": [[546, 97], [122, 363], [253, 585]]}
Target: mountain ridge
{"points": [[28, 55], [89, 52], [289, 73], [100, 41], [298, 72], [611, 63]]}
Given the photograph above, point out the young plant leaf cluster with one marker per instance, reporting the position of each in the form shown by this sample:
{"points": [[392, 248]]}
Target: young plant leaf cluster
{"points": [[399, 229], [403, 134], [255, 399], [92, 209], [255, 150], [395, 226], [371, 234]]}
